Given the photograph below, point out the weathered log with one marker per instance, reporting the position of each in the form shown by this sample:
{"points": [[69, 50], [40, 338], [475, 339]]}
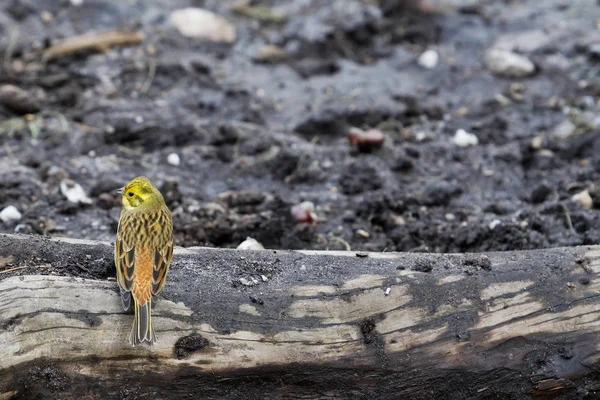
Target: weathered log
{"points": [[287, 324]]}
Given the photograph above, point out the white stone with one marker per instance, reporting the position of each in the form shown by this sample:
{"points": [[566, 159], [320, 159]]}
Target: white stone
{"points": [[74, 192], [537, 142], [564, 129], [494, 223], [421, 136], [429, 59], [246, 282], [202, 24], [10, 214], [507, 63], [250, 244], [173, 159], [76, 3], [20, 227], [584, 199], [463, 138]]}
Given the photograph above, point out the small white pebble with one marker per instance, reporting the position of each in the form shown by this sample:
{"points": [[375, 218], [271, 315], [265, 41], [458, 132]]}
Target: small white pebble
{"points": [[192, 208], [421, 136], [250, 244], [584, 199], [429, 59], [363, 233], [537, 142], [202, 24], [463, 138], [139, 119], [399, 220], [74, 192], [387, 291], [450, 217], [508, 63], [246, 282], [494, 223], [20, 227], [76, 2], [10, 214], [264, 278], [173, 159], [46, 16]]}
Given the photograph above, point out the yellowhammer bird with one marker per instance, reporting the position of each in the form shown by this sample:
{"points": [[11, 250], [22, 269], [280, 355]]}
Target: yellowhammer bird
{"points": [[143, 252]]}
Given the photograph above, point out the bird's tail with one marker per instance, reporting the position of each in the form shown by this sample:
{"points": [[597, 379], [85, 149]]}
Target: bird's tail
{"points": [[142, 330]]}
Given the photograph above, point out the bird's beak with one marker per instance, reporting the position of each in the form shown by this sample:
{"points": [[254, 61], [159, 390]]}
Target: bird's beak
{"points": [[120, 190]]}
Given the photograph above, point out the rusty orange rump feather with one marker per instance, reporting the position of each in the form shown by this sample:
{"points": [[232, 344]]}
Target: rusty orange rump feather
{"points": [[143, 252]]}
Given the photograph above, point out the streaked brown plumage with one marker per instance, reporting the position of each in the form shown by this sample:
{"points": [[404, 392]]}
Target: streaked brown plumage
{"points": [[143, 252]]}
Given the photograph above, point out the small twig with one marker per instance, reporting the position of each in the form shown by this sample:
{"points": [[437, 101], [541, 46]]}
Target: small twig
{"points": [[150, 78], [341, 241], [258, 12], [568, 218], [13, 269], [127, 150], [34, 129], [64, 123], [92, 41]]}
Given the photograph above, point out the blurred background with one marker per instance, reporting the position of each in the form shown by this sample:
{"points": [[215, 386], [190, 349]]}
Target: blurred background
{"points": [[381, 125]]}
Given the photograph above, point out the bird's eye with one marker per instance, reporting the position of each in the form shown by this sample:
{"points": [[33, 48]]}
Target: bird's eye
{"points": [[130, 194]]}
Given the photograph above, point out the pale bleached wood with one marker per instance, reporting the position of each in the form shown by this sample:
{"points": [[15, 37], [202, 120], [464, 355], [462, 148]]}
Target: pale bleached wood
{"points": [[315, 324]]}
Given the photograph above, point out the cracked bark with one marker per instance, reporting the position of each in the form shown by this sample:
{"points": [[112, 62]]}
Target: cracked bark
{"points": [[312, 325]]}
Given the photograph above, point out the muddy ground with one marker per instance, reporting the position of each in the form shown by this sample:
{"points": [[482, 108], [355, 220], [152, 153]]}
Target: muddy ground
{"points": [[257, 136]]}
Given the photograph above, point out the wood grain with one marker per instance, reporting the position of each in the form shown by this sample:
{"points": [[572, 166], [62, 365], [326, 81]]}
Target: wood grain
{"points": [[312, 325]]}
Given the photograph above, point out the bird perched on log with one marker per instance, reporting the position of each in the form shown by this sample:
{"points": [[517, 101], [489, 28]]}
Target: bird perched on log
{"points": [[143, 252]]}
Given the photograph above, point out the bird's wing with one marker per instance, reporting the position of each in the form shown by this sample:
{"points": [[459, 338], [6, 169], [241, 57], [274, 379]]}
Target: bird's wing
{"points": [[162, 261], [124, 261]]}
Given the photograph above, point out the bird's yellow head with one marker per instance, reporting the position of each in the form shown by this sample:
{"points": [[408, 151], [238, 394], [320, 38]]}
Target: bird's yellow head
{"points": [[140, 194]]}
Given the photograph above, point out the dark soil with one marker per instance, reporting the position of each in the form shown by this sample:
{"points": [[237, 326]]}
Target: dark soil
{"points": [[256, 138]]}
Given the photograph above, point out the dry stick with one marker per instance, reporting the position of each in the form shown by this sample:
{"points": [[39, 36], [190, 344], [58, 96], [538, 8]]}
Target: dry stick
{"points": [[91, 41], [13, 269], [567, 218], [150, 79]]}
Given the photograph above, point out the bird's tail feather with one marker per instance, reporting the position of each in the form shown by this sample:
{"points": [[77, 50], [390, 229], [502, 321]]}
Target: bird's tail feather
{"points": [[125, 298], [142, 330]]}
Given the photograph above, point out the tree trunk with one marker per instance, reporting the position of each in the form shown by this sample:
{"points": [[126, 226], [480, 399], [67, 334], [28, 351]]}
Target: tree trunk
{"points": [[304, 325]]}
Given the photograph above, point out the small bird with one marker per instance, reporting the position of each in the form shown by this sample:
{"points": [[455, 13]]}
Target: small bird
{"points": [[143, 252]]}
